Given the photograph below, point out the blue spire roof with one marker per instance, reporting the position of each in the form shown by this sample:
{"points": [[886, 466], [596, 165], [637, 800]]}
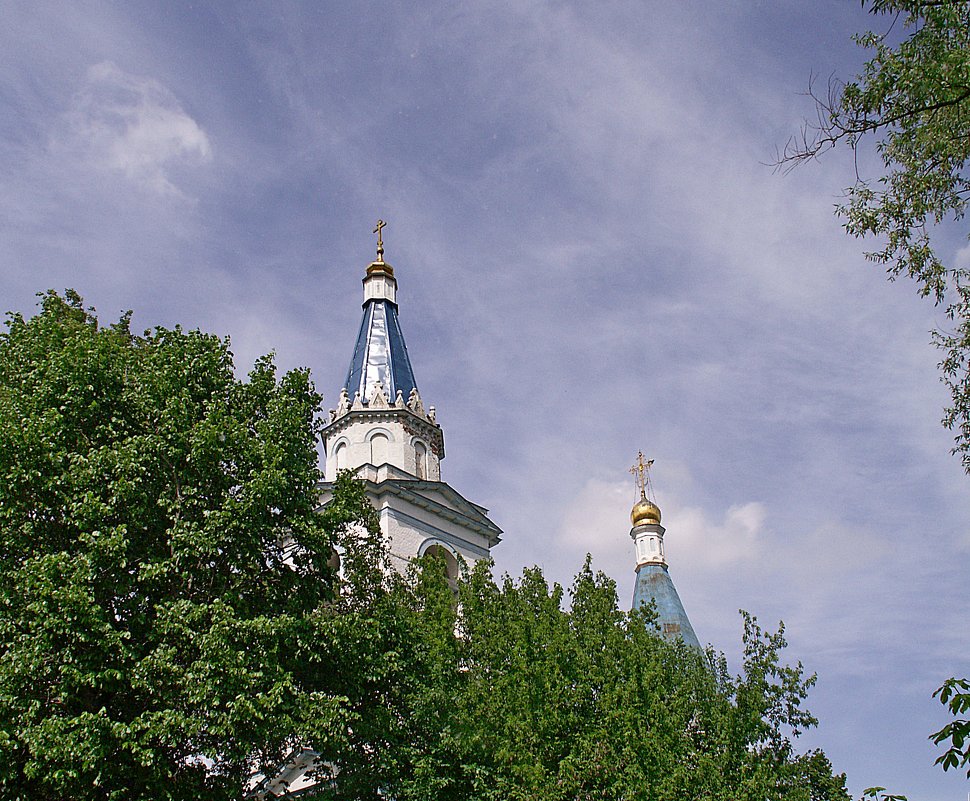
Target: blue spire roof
{"points": [[654, 584], [380, 354]]}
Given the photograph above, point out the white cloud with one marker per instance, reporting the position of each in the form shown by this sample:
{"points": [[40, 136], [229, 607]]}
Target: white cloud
{"points": [[705, 543], [136, 126], [595, 520]]}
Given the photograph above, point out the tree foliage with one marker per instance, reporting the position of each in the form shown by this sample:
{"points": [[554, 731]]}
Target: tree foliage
{"points": [[912, 101], [532, 701], [169, 619], [955, 696]]}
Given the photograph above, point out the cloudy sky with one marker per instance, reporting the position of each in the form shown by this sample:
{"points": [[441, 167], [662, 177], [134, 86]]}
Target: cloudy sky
{"points": [[593, 259]]}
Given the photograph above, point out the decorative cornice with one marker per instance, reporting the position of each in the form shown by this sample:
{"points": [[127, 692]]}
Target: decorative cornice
{"points": [[379, 399], [409, 490], [647, 528], [409, 493]]}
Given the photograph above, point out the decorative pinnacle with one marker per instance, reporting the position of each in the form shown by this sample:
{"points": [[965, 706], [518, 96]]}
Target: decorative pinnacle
{"points": [[380, 241], [641, 475]]}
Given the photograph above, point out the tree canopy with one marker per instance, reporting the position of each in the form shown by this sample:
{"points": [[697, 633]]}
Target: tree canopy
{"points": [[912, 103], [168, 609], [521, 698]]}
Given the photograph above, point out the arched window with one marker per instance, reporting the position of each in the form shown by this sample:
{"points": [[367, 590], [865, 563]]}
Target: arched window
{"points": [[378, 449], [340, 456], [420, 460], [438, 551]]}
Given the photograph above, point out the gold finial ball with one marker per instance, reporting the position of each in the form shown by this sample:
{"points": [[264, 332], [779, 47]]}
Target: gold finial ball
{"points": [[645, 512]]}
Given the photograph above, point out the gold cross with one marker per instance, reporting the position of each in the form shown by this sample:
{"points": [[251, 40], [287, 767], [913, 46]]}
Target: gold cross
{"points": [[380, 241], [641, 474]]}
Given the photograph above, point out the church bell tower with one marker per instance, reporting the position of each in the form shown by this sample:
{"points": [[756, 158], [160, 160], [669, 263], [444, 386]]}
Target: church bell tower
{"points": [[382, 430]]}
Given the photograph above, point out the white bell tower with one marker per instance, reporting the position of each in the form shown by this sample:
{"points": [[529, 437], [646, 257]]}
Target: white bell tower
{"points": [[382, 431]]}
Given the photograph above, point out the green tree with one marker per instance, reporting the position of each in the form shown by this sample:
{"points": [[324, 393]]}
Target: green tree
{"points": [[912, 103], [955, 695], [534, 701], [169, 616]]}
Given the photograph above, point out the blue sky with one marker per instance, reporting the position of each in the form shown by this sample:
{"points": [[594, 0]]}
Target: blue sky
{"points": [[593, 259]]}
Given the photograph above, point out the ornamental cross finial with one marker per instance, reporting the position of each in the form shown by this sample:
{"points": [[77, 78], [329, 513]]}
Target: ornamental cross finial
{"points": [[380, 241], [641, 474]]}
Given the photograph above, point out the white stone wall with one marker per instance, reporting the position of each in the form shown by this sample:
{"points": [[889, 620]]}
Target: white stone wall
{"points": [[411, 531], [360, 443]]}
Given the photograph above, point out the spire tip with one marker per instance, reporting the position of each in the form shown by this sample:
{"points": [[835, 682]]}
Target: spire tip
{"points": [[380, 241]]}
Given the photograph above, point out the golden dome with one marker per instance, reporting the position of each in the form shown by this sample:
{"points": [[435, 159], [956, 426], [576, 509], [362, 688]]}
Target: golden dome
{"points": [[645, 512]]}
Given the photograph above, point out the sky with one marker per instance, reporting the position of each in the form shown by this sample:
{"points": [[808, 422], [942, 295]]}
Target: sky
{"points": [[594, 258]]}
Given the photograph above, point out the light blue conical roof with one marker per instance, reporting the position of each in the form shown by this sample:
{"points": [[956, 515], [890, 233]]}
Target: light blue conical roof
{"points": [[654, 584]]}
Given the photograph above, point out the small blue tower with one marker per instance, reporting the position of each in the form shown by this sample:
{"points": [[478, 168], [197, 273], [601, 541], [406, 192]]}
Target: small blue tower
{"points": [[653, 580]]}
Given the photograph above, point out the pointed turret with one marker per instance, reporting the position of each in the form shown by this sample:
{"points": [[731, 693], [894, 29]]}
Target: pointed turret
{"points": [[653, 580], [380, 355]]}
